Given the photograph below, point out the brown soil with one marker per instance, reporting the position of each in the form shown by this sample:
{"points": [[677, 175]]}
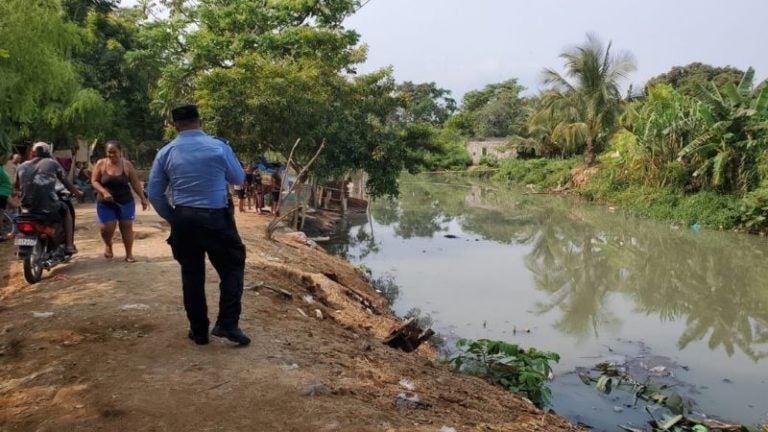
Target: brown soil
{"points": [[114, 355]]}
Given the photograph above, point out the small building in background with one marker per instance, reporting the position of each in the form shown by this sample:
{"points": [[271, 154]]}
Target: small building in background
{"points": [[493, 147]]}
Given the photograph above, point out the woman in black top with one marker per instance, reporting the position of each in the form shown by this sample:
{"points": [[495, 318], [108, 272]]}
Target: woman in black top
{"points": [[113, 177]]}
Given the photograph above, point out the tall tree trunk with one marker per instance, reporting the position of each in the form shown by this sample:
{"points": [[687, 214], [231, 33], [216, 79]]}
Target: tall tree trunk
{"points": [[589, 154]]}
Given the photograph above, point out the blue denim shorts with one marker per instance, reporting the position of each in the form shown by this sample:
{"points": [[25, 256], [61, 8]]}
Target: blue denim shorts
{"points": [[112, 211]]}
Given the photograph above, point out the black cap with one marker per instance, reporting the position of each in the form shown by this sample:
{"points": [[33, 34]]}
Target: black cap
{"points": [[185, 112]]}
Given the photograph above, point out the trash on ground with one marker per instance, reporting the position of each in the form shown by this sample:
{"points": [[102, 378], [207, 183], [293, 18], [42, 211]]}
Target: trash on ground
{"points": [[134, 306], [290, 366], [42, 314], [403, 400], [284, 294], [404, 383]]}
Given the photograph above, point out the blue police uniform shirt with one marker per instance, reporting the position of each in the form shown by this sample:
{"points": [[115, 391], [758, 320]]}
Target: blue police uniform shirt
{"points": [[195, 168]]}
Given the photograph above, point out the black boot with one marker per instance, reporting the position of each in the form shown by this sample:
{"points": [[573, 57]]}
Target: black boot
{"points": [[199, 338], [235, 335]]}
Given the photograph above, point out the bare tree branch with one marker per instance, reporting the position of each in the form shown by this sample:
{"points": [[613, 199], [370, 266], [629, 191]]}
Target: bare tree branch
{"points": [[272, 226]]}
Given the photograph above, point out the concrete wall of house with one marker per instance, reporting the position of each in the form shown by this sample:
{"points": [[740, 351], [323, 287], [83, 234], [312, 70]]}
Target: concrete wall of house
{"points": [[492, 146]]}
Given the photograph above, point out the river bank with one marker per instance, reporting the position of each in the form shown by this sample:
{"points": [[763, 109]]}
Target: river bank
{"points": [[101, 345], [607, 184]]}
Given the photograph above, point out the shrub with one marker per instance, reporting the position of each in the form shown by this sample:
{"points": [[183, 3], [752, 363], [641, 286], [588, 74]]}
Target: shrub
{"points": [[753, 212], [518, 370]]}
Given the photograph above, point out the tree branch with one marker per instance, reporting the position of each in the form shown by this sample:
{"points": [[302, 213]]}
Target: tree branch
{"points": [[272, 226]]}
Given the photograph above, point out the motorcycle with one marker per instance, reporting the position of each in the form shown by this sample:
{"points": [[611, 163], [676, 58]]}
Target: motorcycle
{"points": [[41, 245]]}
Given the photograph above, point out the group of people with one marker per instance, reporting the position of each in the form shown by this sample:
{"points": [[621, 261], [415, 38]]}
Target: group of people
{"points": [[254, 189], [188, 186], [40, 181]]}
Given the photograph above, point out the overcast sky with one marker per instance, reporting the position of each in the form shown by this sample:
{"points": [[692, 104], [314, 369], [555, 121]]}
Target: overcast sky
{"points": [[463, 45]]}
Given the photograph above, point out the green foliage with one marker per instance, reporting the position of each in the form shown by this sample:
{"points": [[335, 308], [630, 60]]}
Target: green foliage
{"points": [[727, 149], [584, 109], [516, 369], [541, 172], [36, 80], [705, 208], [424, 103], [688, 80], [489, 160], [659, 128], [495, 111], [450, 152], [753, 212], [268, 73]]}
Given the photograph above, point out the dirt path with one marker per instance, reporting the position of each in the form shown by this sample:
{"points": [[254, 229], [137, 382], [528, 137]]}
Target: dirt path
{"points": [[114, 355]]}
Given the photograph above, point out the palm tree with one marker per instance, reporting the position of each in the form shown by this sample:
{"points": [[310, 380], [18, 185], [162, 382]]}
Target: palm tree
{"points": [[587, 105]]}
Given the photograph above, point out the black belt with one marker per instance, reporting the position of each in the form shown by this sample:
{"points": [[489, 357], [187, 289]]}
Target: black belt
{"points": [[199, 210]]}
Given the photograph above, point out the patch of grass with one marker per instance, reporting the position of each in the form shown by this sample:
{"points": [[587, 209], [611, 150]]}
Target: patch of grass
{"points": [[541, 172], [705, 208]]}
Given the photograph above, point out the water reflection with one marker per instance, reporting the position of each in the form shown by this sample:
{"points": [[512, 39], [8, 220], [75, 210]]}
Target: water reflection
{"points": [[581, 257], [353, 234]]}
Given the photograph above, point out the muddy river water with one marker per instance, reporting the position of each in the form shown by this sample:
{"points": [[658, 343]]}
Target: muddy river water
{"points": [[484, 260]]}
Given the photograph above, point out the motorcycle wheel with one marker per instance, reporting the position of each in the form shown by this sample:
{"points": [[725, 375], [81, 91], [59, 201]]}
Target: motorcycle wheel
{"points": [[33, 263]]}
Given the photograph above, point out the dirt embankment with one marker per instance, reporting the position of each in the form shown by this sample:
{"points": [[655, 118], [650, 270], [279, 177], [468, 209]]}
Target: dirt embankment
{"points": [[114, 356]]}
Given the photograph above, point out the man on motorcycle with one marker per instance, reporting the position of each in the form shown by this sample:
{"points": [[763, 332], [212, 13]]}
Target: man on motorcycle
{"points": [[36, 180]]}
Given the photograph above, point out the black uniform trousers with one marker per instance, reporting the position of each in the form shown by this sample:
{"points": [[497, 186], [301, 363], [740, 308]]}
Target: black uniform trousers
{"points": [[195, 232]]}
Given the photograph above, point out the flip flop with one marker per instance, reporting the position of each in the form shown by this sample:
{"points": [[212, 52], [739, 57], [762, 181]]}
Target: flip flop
{"points": [[130, 259], [108, 255]]}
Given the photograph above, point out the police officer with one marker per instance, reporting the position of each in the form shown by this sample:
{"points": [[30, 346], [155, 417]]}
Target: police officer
{"points": [[196, 168]]}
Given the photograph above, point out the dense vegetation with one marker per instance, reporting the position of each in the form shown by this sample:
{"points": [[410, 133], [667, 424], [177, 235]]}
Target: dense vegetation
{"points": [[690, 146], [264, 73]]}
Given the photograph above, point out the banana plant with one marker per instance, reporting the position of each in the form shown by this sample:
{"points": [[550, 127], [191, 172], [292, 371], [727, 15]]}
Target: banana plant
{"points": [[735, 119]]}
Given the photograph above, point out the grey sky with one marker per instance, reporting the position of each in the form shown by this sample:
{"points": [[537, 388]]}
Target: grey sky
{"points": [[463, 45]]}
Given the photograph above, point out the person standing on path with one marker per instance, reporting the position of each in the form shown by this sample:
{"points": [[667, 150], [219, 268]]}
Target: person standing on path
{"points": [[5, 192], [11, 166], [197, 168], [112, 178]]}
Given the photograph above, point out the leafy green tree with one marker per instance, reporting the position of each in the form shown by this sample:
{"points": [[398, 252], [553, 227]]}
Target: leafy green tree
{"points": [[689, 80], [726, 151], [494, 111], [586, 106], [268, 73], [114, 89], [36, 78], [424, 103]]}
